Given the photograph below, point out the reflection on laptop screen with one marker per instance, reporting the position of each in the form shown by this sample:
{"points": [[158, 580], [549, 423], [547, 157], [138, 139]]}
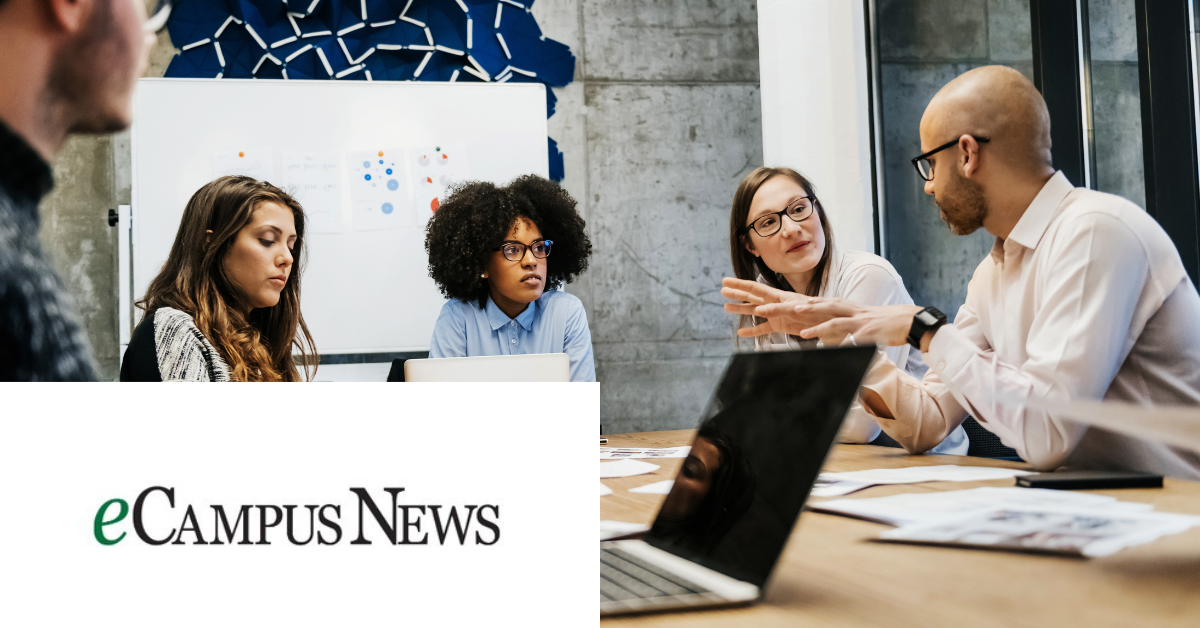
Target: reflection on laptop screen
{"points": [[755, 457]]}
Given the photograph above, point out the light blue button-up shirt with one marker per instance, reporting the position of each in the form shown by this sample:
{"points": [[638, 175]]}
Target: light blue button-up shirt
{"points": [[555, 323]]}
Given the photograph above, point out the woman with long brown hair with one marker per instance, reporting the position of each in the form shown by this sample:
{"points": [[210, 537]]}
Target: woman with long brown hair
{"points": [[779, 235], [226, 305]]}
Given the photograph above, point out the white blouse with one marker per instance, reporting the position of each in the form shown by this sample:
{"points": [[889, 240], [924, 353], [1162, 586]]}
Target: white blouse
{"points": [[866, 279]]}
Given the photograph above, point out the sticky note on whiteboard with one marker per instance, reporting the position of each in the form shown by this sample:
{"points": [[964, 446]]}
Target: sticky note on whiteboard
{"points": [[252, 162]]}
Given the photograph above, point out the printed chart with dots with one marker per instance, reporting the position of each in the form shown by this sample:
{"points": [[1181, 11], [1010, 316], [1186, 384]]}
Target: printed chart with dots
{"points": [[436, 168], [389, 188], [379, 196]]}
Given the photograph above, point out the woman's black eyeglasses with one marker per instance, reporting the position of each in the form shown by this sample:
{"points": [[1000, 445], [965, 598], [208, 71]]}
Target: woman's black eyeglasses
{"points": [[925, 167], [515, 251], [770, 224]]}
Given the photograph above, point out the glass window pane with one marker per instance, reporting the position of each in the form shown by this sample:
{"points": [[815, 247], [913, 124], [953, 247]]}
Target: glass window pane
{"points": [[923, 44], [1116, 100]]}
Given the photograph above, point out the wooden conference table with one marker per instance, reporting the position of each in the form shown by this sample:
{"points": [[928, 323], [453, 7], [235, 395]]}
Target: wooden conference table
{"points": [[831, 575]]}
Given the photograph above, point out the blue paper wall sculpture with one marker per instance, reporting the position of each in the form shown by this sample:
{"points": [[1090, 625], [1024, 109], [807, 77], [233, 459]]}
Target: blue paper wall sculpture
{"points": [[370, 40]]}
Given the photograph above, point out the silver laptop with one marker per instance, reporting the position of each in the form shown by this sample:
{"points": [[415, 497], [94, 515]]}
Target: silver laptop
{"points": [[534, 367], [739, 492]]}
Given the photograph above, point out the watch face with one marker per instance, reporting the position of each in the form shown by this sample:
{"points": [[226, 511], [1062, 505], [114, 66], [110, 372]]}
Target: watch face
{"points": [[926, 318]]}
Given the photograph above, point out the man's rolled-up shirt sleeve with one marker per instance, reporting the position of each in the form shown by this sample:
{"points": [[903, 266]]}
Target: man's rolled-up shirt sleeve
{"points": [[925, 411], [871, 284], [929, 410]]}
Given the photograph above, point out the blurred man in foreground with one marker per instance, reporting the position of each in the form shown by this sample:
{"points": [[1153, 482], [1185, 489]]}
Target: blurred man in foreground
{"points": [[66, 66]]}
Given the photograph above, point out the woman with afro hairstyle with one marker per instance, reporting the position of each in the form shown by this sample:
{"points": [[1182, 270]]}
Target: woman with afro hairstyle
{"points": [[490, 254]]}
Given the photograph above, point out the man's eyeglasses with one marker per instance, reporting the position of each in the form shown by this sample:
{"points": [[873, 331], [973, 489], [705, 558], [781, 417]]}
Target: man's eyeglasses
{"points": [[925, 167], [158, 19], [770, 224], [515, 251]]}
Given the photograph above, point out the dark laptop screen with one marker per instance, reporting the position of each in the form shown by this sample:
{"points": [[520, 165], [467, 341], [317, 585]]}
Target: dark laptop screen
{"points": [[756, 456]]}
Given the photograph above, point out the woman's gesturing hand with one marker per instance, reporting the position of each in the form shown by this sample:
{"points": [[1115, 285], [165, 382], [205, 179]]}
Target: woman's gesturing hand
{"points": [[756, 299], [829, 319]]}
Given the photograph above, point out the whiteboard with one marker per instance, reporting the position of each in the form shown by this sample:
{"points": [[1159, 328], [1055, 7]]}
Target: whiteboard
{"points": [[363, 291]]}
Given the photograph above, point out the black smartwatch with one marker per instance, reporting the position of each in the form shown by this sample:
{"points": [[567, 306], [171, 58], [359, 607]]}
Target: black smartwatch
{"points": [[927, 319]]}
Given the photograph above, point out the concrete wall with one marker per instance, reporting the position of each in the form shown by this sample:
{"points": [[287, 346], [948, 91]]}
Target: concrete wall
{"points": [[661, 123], [81, 245], [923, 44]]}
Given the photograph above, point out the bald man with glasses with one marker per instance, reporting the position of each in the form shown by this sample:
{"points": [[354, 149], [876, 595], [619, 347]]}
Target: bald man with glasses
{"points": [[66, 67], [1083, 296]]}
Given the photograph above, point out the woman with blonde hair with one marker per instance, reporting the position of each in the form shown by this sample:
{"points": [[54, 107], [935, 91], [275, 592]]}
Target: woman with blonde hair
{"points": [[779, 235], [226, 305]]}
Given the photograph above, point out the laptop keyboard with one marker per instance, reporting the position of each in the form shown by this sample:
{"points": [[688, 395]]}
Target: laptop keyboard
{"points": [[630, 583]]}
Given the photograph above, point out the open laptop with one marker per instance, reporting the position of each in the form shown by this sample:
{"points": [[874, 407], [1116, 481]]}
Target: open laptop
{"points": [[738, 494], [533, 367]]}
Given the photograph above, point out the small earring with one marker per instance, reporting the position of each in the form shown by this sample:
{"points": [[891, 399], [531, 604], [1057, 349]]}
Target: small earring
{"points": [[483, 276]]}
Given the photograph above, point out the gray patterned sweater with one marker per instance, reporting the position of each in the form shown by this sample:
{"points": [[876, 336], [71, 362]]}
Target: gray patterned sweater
{"points": [[41, 338], [170, 348]]}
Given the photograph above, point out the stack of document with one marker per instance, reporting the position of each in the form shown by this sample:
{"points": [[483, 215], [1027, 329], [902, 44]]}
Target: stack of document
{"points": [[1018, 519], [831, 484], [1045, 531], [613, 453], [913, 508]]}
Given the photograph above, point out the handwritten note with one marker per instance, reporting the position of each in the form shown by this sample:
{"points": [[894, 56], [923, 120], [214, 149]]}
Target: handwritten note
{"points": [[252, 162], [315, 179]]}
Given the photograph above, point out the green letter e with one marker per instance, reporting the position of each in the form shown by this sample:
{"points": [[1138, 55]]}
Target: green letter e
{"points": [[100, 522]]}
